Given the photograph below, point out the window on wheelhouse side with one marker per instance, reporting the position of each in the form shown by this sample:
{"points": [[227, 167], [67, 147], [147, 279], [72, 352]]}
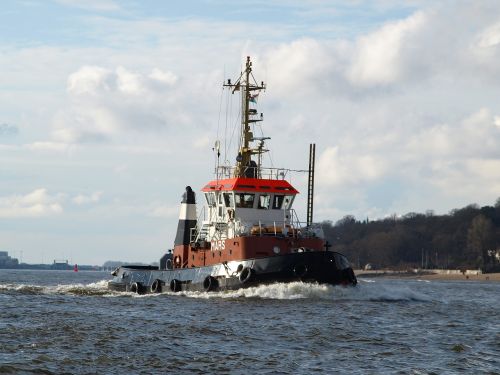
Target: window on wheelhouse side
{"points": [[278, 202], [287, 204], [229, 200], [264, 201], [210, 197], [282, 202], [244, 200]]}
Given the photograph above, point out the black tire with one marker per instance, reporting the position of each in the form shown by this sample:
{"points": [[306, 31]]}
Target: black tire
{"points": [[300, 270], [246, 275], [156, 287], [210, 283], [175, 285], [136, 288]]}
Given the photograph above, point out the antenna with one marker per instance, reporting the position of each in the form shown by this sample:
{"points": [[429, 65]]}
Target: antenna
{"points": [[217, 152]]}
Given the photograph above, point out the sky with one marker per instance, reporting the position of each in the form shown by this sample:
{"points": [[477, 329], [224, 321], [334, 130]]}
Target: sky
{"points": [[108, 109]]}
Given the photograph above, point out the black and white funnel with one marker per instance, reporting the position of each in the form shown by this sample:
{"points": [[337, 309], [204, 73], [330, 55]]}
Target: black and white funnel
{"points": [[187, 217]]}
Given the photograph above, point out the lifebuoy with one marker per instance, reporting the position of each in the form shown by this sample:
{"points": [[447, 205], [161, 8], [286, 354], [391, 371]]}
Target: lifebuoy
{"points": [[156, 286], [175, 285], [246, 275], [300, 270], [136, 288], [210, 283], [169, 264]]}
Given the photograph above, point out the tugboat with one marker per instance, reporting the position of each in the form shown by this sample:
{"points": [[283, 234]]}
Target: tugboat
{"points": [[247, 232]]}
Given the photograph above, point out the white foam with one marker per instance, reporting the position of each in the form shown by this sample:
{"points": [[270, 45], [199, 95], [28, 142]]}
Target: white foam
{"points": [[366, 290], [299, 290], [96, 288]]}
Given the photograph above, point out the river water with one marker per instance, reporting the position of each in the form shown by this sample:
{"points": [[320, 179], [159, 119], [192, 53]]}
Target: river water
{"points": [[54, 322]]}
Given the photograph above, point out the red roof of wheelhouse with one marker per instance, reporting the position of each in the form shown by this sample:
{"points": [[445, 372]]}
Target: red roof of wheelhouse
{"points": [[251, 184]]}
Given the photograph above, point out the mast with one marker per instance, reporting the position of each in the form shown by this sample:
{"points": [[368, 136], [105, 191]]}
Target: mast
{"points": [[245, 166]]}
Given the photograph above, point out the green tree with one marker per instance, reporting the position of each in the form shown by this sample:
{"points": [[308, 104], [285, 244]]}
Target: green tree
{"points": [[479, 239]]}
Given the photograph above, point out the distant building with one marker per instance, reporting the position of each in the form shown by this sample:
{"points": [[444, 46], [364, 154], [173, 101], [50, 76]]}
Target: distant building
{"points": [[60, 265], [6, 261]]}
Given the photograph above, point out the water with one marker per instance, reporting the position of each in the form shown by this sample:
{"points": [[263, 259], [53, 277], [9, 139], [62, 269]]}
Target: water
{"points": [[54, 322]]}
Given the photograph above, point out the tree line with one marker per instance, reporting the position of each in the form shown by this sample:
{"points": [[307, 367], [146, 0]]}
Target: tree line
{"points": [[467, 237]]}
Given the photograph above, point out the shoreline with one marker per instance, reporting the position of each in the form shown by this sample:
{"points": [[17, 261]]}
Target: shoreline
{"points": [[489, 277]]}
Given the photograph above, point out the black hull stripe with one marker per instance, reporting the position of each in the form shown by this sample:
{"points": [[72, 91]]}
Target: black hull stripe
{"points": [[309, 266]]}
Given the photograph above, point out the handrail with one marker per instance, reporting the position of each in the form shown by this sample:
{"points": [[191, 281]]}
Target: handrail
{"points": [[225, 171], [194, 232]]}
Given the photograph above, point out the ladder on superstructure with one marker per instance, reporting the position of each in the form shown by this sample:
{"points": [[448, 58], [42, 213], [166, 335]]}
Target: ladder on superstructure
{"points": [[310, 184]]}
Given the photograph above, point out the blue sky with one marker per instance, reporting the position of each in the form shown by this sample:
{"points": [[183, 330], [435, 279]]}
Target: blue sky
{"points": [[109, 109]]}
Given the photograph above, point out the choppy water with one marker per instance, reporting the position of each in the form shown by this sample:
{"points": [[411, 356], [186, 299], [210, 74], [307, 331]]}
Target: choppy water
{"points": [[54, 322]]}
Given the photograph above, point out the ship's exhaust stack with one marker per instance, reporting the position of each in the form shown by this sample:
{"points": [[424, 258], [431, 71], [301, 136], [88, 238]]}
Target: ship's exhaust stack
{"points": [[187, 218]]}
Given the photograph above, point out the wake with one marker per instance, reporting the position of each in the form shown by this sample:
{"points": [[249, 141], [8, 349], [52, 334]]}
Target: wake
{"points": [[366, 290], [99, 288], [371, 291]]}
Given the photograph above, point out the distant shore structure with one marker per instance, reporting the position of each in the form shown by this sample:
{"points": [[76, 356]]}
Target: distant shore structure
{"points": [[7, 261]]}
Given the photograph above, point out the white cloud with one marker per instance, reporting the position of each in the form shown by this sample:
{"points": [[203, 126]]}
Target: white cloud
{"points": [[38, 203], [82, 199], [96, 80], [489, 37], [90, 79], [167, 78], [335, 169], [105, 104], [377, 57], [496, 121]]}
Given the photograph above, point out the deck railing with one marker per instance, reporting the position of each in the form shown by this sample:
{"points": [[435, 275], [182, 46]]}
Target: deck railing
{"points": [[223, 172]]}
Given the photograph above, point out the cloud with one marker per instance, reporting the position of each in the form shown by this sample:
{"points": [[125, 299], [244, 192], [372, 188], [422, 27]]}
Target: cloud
{"points": [[427, 165], [336, 169], [377, 57], [96, 80], [38, 203], [490, 36], [105, 103], [81, 199]]}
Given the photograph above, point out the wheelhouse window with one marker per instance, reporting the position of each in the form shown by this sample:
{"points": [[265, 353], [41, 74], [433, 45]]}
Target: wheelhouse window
{"points": [[278, 202], [264, 201], [210, 197], [287, 203], [229, 200], [244, 200]]}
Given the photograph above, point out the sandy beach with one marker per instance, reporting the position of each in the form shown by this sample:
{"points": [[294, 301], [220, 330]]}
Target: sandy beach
{"points": [[492, 277]]}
